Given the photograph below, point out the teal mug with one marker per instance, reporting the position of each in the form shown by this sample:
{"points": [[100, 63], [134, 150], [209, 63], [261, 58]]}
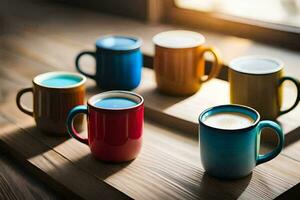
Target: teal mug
{"points": [[230, 140]]}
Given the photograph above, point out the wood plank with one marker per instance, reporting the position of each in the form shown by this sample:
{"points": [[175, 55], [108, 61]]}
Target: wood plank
{"points": [[17, 183], [169, 167], [52, 167]]}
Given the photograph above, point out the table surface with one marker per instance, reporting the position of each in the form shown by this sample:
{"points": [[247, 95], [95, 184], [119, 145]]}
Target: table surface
{"points": [[169, 165]]}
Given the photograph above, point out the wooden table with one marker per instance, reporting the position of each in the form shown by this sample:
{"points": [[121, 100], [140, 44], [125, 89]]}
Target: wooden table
{"points": [[169, 165]]}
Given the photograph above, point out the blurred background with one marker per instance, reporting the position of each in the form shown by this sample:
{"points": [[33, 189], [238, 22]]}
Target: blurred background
{"points": [[276, 22], [54, 31]]}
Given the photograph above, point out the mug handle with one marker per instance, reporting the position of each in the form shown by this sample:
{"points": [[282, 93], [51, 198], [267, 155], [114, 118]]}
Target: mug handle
{"points": [[70, 127], [296, 82], [93, 54], [269, 156], [20, 105], [217, 64]]}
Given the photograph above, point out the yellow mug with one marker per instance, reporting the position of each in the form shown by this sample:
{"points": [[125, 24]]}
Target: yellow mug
{"points": [[179, 63], [256, 81]]}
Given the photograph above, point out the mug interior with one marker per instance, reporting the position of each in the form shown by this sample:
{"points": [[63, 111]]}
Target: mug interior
{"points": [[59, 79], [119, 42], [116, 94], [230, 108], [256, 65], [178, 39]]}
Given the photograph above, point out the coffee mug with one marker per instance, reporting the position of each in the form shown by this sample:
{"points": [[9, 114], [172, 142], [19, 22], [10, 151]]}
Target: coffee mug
{"points": [[118, 62], [230, 139], [115, 125], [179, 62], [54, 94], [256, 81]]}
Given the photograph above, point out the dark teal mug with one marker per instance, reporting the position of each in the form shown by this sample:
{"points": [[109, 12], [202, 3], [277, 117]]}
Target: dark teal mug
{"points": [[118, 62], [230, 140]]}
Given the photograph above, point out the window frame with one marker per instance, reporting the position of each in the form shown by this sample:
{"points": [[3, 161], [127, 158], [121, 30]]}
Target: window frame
{"points": [[269, 33]]}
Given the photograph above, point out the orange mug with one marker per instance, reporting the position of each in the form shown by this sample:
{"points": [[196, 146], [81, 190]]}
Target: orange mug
{"points": [[54, 95], [179, 62]]}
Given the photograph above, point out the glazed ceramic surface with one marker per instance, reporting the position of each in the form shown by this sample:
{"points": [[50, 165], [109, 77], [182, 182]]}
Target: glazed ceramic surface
{"points": [[179, 62], [54, 95], [114, 134], [233, 153], [256, 82], [118, 62]]}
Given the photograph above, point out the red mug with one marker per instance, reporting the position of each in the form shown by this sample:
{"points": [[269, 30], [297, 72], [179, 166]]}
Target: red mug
{"points": [[114, 130]]}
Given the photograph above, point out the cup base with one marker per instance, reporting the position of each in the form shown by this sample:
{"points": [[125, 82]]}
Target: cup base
{"points": [[112, 160], [228, 176]]}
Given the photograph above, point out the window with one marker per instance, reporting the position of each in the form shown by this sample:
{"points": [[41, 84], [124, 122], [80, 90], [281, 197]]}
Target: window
{"points": [[284, 12], [275, 22]]}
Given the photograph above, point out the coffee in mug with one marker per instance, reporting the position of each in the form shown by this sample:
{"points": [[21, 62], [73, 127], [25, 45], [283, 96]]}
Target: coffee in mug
{"points": [[229, 138], [229, 120]]}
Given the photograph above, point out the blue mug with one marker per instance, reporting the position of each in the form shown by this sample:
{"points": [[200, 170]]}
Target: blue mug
{"points": [[229, 138], [118, 62]]}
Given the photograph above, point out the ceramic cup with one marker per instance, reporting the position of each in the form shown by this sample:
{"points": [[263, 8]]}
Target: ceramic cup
{"points": [[115, 125], [179, 62], [118, 62], [230, 140], [54, 94], [256, 81]]}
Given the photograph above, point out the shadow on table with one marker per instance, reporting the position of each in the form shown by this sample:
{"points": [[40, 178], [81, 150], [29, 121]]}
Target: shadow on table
{"points": [[158, 100], [223, 189], [29, 141], [292, 137], [97, 168]]}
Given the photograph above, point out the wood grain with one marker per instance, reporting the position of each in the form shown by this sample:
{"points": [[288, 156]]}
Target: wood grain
{"points": [[52, 167], [16, 183]]}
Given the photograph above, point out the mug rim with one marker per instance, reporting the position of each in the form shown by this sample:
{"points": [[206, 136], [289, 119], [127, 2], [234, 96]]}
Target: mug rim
{"points": [[201, 38], [136, 45], [96, 97], [230, 105], [36, 80], [256, 57]]}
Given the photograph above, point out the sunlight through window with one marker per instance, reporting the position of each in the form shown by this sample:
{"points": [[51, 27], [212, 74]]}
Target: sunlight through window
{"points": [[285, 12]]}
